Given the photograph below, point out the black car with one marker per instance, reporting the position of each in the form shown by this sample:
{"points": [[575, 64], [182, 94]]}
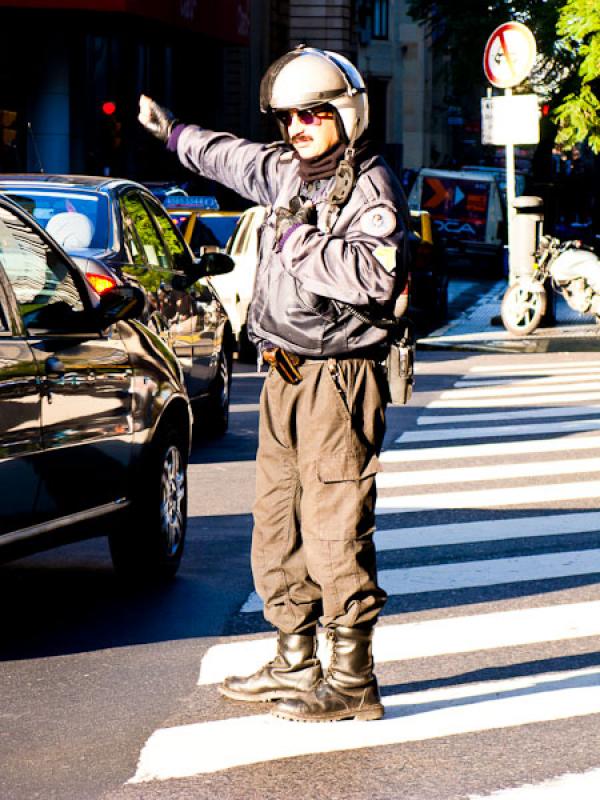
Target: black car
{"points": [[95, 423], [117, 231]]}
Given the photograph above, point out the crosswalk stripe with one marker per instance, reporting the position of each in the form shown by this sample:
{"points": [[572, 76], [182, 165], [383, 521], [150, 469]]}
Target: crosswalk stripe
{"points": [[507, 402], [493, 450], [437, 637], [490, 498], [476, 574], [487, 530], [491, 431], [503, 375], [509, 391], [577, 786], [528, 367], [505, 416], [494, 472], [470, 574], [532, 381], [207, 747]]}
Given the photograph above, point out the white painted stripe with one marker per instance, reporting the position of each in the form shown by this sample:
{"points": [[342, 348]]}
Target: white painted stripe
{"points": [[488, 530], [505, 416], [243, 408], [507, 402], [572, 786], [472, 574], [489, 431], [208, 747], [492, 572], [509, 391], [527, 366], [524, 373], [495, 450], [254, 374], [522, 380], [426, 639], [526, 380], [490, 498], [493, 472]]}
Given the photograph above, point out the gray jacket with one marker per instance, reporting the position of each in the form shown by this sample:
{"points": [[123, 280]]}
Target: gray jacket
{"points": [[301, 291]]}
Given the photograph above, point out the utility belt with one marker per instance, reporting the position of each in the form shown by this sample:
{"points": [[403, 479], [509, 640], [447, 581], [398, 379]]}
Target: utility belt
{"points": [[398, 365]]}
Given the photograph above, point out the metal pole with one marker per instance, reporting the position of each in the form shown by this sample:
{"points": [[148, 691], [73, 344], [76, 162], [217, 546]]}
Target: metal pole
{"points": [[510, 206]]}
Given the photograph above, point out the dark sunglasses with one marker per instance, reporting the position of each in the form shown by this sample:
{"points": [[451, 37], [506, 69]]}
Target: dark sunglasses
{"points": [[307, 116]]}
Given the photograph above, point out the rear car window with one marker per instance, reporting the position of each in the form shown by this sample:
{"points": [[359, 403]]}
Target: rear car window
{"points": [[43, 204], [41, 281]]}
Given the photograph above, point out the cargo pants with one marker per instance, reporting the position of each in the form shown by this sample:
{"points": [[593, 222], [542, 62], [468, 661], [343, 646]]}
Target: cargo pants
{"points": [[313, 556]]}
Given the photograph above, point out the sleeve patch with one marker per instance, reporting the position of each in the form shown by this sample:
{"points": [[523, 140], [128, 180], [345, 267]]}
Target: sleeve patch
{"points": [[386, 257], [380, 221]]}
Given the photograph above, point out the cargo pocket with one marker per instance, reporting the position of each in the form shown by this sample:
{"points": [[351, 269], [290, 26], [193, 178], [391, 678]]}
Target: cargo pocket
{"points": [[346, 491]]}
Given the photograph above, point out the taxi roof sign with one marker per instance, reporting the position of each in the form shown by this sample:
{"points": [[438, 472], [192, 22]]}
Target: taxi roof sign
{"points": [[509, 55]]}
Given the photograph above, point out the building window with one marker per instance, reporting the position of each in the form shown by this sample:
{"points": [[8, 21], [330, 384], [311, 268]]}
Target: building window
{"points": [[380, 19]]}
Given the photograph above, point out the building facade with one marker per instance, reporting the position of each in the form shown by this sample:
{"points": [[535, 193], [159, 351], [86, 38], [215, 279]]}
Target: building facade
{"points": [[72, 71]]}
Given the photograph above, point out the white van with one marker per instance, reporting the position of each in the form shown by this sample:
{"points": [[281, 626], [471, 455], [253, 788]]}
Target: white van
{"points": [[467, 211]]}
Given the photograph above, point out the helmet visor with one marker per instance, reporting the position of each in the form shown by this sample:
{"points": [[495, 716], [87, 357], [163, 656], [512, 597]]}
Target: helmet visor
{"points": [[266, 84]]}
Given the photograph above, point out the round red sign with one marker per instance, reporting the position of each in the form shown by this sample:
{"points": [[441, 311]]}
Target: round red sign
{"points": [[509, 55]]}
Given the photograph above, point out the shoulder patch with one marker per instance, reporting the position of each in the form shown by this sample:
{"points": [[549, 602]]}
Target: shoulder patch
{"points": [[386, 257], [380, 221]]}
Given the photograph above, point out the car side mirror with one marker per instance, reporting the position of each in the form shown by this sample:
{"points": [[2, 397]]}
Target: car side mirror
{"points": [[215, 263], [120, 303], [208, 265]]}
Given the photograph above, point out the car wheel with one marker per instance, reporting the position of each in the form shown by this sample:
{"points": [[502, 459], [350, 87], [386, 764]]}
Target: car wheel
{"points": [[149, 543], [218, 403]]}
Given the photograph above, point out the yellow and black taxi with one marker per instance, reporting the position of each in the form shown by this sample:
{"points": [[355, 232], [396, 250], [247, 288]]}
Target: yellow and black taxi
{"points": [[201, 221]]}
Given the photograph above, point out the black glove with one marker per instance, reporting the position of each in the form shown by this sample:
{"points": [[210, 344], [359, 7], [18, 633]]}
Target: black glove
{"points": [[156, 119], [298, 213]]}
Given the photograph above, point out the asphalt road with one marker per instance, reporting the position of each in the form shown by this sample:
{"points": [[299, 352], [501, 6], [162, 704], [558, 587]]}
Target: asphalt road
{"points": [[489, 648]]}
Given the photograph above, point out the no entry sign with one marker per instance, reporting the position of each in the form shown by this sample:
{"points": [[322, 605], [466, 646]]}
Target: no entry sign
{"points": [[509, 55]]}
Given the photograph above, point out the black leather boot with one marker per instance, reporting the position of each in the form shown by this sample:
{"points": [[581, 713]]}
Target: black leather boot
{"points": [[348, 691], [294, 670]]}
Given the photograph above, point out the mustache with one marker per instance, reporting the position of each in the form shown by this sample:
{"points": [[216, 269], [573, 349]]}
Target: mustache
{"points": [[300, 137]]}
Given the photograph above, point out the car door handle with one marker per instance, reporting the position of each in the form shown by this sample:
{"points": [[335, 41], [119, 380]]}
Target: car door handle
{"points": [[54, 367]]}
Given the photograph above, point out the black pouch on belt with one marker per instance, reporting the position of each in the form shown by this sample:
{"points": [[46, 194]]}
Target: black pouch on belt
{"points": [[399, 364]]}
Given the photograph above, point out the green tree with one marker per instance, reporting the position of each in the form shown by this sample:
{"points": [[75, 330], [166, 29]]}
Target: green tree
{"points": [[578, 116]]}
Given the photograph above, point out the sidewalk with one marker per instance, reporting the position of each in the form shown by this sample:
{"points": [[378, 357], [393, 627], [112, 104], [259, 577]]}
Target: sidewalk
{"points": [[474, 328]]}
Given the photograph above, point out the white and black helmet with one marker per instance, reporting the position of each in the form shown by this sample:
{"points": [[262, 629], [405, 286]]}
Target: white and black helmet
{"points": [[307, 77]]}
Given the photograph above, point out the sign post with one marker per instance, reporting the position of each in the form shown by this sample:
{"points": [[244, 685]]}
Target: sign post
{"points": [[508, 58]]}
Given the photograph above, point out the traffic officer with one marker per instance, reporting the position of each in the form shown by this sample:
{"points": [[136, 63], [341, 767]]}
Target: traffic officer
{"points": [[332, 258]]}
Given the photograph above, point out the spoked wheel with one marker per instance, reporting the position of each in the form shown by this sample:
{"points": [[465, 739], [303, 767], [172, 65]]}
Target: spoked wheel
{"points": [[148, 543], [522, 309]]}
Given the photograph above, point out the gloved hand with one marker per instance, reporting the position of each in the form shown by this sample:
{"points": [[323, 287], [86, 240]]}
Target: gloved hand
{"points": [[156, 119], [298, 213]]}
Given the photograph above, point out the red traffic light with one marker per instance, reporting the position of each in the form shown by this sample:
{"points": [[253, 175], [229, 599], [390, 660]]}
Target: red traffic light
{"points": [[109, 108], [545, 109]]}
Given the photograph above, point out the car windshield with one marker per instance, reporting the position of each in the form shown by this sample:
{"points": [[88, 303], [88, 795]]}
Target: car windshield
{"points": [[77, 220]]}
